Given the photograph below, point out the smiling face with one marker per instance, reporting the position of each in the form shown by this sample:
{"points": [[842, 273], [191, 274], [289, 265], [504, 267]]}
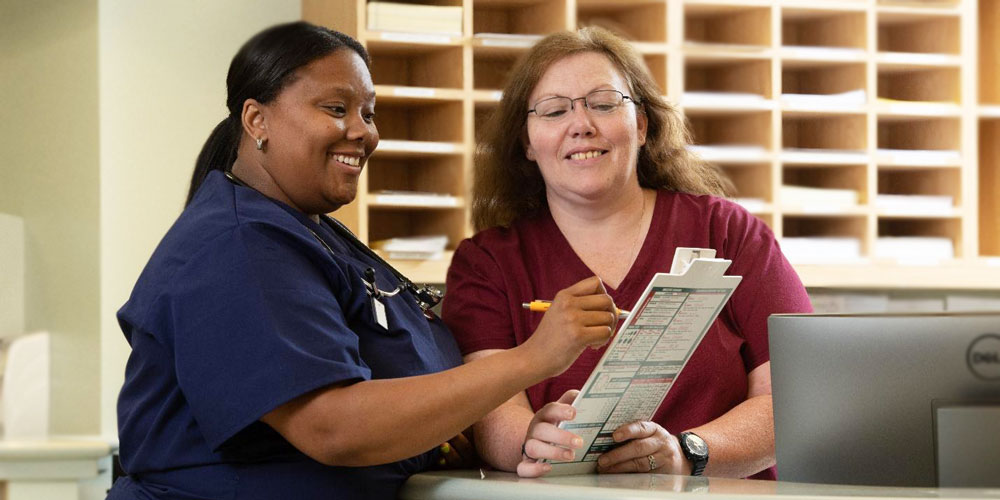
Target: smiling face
{"points": [[320, 132], [585, 156]]}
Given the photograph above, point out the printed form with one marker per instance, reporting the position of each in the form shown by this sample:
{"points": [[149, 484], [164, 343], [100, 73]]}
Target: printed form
{"points": [[648, 353]]}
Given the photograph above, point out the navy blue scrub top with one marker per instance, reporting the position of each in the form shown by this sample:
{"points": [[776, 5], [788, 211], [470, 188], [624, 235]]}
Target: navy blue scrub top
{"points": [[239, 310]]}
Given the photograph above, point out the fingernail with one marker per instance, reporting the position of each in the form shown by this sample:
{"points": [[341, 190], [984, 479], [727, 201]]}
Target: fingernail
{"points": [[568, 455], [601, 462], [442, 461], [546, 467], [577, 442], [446, 448]]}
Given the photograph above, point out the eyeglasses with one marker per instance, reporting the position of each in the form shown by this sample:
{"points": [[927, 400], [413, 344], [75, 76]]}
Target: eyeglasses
{"points": [[600, 102]]}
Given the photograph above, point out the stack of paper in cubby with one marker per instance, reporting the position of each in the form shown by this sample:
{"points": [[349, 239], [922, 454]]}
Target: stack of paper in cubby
{"points": [[415, 18], [914, 249], [821, 249], [702, 99], [413, 247], [944, 157], [818, 199], [751, 204], [914, 204], [514, 40], [817, 102], [414, 198], [726, 153]]}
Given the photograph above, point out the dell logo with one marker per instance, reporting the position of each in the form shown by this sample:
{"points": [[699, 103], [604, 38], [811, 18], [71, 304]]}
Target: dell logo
{"points": [[984, 357]]}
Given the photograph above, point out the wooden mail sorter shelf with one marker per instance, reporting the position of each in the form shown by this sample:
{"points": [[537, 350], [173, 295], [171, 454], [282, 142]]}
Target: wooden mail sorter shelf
{"points": [[864, 131]]}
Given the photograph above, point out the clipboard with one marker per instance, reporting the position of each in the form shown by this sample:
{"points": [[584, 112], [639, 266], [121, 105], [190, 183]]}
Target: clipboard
{"points": [[648, 353]]}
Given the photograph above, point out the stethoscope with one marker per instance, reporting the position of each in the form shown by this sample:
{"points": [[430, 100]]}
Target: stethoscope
{"points": [[426, 296]]}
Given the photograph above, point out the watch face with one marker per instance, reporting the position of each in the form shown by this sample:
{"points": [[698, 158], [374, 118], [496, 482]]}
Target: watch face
{"points": [[695, 444]]}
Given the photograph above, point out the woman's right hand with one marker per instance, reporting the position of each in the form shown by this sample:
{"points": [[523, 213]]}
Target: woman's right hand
{"points": [[581, 315], [545, 440]]}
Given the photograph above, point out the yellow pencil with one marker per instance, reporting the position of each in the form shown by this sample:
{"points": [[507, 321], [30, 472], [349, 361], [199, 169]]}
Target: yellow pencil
{"points": [[544, 305]]}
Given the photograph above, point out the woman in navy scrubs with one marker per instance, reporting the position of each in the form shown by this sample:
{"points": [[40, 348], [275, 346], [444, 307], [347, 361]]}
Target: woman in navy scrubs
{"points": [[273, 356]]}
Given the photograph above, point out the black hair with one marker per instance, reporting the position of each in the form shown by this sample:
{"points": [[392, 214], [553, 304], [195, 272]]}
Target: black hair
{"points": [[260, 70]]}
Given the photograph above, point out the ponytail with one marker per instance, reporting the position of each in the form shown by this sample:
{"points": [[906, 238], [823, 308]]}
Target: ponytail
{"points": [[218, 153]]}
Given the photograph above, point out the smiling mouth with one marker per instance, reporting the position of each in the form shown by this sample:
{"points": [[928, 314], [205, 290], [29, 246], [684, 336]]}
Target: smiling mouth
{"points": [[353, 161], [586, 155]]}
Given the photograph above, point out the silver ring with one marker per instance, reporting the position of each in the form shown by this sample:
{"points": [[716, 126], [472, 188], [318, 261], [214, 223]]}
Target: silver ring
{"points": [[652, 462]]}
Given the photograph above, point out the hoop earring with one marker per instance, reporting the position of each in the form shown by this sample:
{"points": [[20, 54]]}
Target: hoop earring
{"points": [[260, 144]]}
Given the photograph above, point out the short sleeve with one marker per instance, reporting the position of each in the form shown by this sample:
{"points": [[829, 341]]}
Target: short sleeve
{"points": [[476, 307], [257, 323], [770, 284]]}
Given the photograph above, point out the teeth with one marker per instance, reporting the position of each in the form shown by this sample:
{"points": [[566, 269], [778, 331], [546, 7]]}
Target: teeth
{"points": [[585, 156], [350, 160]]}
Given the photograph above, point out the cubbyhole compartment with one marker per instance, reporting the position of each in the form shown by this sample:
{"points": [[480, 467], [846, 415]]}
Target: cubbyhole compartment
{"points": [[636, 20], [836, 181], [922, 181], [920, 134], [490, 68], [808, 226], [746, 129], [836, 133], [989, 187], [427, 17], [420, 121], [727, 24], [821, 79], [801, 27], [823, 240], [519, 17], [441, 175], [989, 51], [385, 223], [833, 87], [915, 32], [728, 75], [929, 85], [919, 239], [752, 182], [416, 65], [928, 192]]}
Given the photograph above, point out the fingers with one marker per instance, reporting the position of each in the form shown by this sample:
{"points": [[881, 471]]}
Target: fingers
{"points": [[642, 440], [654, 462], [568, 397], [546, 441], [636, 430], [530, 468], [458, 452]]}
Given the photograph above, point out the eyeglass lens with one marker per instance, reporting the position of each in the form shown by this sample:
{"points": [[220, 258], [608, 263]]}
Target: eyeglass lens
{"points": [[598, 101]]}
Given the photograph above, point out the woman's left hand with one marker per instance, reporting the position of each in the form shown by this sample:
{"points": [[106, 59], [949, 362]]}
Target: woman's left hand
{"points": [[647, 447]]}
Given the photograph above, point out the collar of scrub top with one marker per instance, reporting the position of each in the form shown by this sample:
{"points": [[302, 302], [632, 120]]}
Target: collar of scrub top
{"points": [[426, 296]]}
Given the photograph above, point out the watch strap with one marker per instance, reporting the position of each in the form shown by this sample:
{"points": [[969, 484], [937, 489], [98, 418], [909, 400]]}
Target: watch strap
{"points": [[698, 460]]}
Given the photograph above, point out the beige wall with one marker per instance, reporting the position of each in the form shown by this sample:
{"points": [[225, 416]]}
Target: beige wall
{"points": [[106, 105], [49, 135], [163, 81]]}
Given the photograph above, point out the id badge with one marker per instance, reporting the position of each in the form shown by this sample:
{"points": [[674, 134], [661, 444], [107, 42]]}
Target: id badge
{"points": [[378, 310]]}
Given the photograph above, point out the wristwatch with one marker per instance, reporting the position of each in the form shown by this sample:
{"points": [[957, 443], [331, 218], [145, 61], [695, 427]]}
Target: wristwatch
{"points": [[696, 450]]}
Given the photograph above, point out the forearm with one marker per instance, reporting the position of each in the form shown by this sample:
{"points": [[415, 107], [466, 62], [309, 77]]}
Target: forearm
{"points": [[499, 434], [381, 421], [740, 442]]}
